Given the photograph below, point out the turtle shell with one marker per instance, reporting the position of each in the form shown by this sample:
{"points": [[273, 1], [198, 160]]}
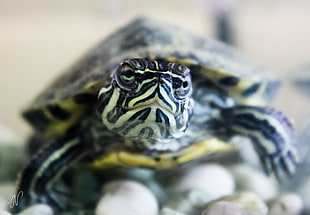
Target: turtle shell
{"points": [[64, 102]]}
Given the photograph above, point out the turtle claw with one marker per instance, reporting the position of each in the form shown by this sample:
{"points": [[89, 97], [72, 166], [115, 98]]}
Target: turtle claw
{"points": [[282, 165]]}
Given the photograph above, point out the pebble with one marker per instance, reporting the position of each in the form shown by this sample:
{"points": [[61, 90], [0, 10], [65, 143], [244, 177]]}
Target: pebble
{"points": [[7, 190], [227, 208], [38, 209], [168, 211], [187, 201], [141, 175], [286, 204], [4, 213], [250, 179], [213, 179], [246, 200], [127, 197]]}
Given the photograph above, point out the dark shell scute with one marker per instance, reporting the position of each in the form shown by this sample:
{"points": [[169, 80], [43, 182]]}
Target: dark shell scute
{"points": [[229, 81], [141, 37], [83, 98], [37, 118], [251, 90], [58, 112]]}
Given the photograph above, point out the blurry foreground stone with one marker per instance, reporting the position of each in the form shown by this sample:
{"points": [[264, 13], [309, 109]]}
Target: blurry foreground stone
{"points": [[127, 197], [249, 179], [286, 204], [245, 200], [168, 211], [227, 208], [4, 213], [39, 209], [187, 201], [6, 192], [213, 179]]}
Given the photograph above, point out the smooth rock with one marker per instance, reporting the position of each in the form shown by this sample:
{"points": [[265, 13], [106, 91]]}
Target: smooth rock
{"points": [[168, 211], [249, 179], [141, 175], [127, 197], [286, 204], [38, 209], [227, 208], [7, 191], [2, 203], [213, 179], [246, 200], [4, 213], [187, 201]]}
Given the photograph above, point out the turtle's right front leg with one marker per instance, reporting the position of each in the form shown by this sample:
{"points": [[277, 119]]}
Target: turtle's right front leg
{"points": [[271, 133], [35, 184]]}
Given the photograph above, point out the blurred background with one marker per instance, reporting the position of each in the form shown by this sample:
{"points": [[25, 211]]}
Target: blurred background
{"points": [[40, 38]]}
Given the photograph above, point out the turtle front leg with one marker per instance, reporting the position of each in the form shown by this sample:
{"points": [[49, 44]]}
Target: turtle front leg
{"points": [[271, 133], [35, 184]]}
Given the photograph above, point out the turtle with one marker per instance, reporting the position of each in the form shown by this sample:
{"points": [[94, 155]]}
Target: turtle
{"points": [[153, 95]]}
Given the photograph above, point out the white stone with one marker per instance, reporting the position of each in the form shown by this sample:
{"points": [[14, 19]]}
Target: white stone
{"points": [[4, 213], [7, 191], [286, 204], [127, 197], [187, 201], [2, 203], [213, 179], [168, 211], [227, 208], [249, 179], [246, 200], [38, 209]]}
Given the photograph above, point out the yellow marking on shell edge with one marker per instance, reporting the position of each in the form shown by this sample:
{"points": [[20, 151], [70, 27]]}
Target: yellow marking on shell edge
{"points": [[58, 127], [234, 91], [165, 160], [206, 147]]}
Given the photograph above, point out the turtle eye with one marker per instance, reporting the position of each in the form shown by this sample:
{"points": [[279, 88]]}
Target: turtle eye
{"points": [[127, 75]]}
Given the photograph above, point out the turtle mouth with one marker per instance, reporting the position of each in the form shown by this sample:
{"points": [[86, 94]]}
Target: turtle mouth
{"points": [[154, 105]]}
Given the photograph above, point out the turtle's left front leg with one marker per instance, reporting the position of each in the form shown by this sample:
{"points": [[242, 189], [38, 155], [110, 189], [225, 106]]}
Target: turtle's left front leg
{"points": [[269, 130], [36, 182]]}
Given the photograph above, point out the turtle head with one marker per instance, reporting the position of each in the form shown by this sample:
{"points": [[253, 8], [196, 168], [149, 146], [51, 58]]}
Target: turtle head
{"points": [[147, 99]]}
